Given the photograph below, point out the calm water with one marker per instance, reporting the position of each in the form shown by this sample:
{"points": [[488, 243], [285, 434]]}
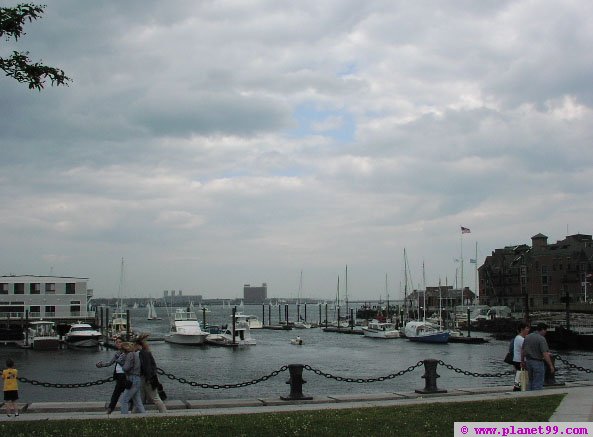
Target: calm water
{"points": [[339, 354]]}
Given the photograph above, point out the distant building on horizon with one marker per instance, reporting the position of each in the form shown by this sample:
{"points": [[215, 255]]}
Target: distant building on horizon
{"points": [[255, 295]]}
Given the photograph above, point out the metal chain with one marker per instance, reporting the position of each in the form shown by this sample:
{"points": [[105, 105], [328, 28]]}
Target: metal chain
{"points": [[476, 374], [363, 380], [73, 385], [572, 366], [221, 386]]}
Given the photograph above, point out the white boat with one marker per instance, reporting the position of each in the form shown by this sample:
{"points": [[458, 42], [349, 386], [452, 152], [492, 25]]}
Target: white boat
{"points": [[425, 332], [377, 329], [251, 320], [185, 329], [242, 336], [42, 335], [301, 325], [82, 335], [118, 325], [297, 341], [152, 315]]}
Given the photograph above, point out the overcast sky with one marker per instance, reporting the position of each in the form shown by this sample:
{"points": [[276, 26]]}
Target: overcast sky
{"points": [[217, 143]]}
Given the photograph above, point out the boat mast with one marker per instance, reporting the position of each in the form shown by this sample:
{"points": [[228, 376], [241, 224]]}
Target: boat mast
{"points": [[387, 293], [424, 294], [121, 285], [405, 285], [346, 288]]}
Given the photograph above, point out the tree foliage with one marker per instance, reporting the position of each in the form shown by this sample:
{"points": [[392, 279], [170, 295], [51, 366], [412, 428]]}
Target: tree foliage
{"points": [[18, 65]]}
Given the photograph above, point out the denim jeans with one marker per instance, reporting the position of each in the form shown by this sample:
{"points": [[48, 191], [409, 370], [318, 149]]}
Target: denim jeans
{"points": [[135, 394], [536, 371]]}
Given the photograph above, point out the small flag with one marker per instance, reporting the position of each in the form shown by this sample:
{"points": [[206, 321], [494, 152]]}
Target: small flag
{"points": [[465, 230], [473, 261]]}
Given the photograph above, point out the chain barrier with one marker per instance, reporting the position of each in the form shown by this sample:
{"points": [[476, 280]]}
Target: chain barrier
{"points": [[572, 366], [72, 385], [476, 374], [363, 380], [221, 386]]}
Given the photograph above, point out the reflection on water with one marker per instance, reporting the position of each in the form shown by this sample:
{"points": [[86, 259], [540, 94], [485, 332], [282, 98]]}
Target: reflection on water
{"points": [[338, 354]]}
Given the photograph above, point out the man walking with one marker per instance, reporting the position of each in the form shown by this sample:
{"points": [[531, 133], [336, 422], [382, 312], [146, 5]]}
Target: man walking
{"points": [[536, 354]]}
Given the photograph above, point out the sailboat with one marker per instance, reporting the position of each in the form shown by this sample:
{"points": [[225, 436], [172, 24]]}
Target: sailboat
{"points": [[152, 315], [421, 330], [118, 325], [301, 324]]}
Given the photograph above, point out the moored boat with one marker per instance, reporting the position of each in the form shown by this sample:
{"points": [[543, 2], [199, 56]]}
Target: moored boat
{"points": [[82, 335], [42, 335], [425, 332], [377, 329], [240, 337], [185, 329]]}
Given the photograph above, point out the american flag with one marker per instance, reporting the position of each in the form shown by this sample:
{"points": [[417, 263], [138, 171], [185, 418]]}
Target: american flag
{"points": [[465, 230]]}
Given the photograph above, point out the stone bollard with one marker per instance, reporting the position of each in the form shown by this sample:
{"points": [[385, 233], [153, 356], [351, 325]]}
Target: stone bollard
{"points": [[549, 377], [430, 377], [296, 384]]}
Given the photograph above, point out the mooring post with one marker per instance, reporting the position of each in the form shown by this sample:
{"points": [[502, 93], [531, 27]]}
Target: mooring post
{"points": [[296, 384], [430, 377]]}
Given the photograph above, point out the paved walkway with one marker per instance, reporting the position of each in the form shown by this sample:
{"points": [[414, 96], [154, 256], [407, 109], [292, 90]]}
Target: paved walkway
{"points": [[577, 406]]}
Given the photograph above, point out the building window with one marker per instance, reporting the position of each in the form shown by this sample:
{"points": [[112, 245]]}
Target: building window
{"points": [[70, 288], [50, 311], [544, 279], [545, 300], [50, 288], [544, 270], [545, 289], [19, 288], [34, 288], [35, 311], [75, 308], [3, 288]]}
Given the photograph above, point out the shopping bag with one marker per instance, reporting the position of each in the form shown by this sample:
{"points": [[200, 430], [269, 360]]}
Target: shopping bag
{"points": [[523, 379], [508, 358]]}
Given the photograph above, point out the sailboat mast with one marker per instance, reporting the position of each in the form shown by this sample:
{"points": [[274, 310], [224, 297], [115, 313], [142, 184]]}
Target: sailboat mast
{"points": [[387, 293], [476, 275], [405, 286], [423, 294], [121, 284], [346, 286]]}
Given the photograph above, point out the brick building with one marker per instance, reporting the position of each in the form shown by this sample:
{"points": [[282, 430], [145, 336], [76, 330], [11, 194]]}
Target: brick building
{"points": [[540, 276]]}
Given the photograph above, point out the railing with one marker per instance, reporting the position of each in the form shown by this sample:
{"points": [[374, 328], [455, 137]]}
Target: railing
{"points": [[15, 315]]}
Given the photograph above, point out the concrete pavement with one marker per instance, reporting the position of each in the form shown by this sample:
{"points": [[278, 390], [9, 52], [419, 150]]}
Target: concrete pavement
{"points": [[577, 406]]}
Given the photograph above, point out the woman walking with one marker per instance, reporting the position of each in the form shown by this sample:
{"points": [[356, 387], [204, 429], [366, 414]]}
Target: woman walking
{"points": [[133, 381], [150, 380], [118, 374]]}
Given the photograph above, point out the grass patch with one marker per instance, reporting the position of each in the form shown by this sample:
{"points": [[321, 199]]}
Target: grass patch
{"points": [[434, 419]]}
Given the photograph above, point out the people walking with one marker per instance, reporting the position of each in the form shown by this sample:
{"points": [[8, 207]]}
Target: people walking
{"points": [[11, 388], [522, 331], [118, 374], [133, 380], [536, 354], [150, 380]]}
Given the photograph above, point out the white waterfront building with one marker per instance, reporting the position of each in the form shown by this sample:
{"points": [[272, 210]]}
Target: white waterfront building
{"points": [[46, 297]]}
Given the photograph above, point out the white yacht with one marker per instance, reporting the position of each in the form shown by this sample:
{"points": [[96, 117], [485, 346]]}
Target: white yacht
{"points": [[242, 335], [251, 320], [425, 332], [82, 335], [377, 329], [185, 329], [42, 335]]}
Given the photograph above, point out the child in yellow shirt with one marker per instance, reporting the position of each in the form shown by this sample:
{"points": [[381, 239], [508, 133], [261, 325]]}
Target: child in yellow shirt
{"points": [[11, 388]]}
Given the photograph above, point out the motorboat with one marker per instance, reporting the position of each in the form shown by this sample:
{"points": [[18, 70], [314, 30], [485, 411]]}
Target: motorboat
{"points": [[118, 325], [185, 329], [377, 329], [152, 315], [251, 320], [42, 335], [82, 335], [297, 341], [425, 332], [301, 325], [240, 337]]}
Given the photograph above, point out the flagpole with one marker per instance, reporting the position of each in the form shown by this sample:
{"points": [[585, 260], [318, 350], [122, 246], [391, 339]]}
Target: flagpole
{"points": [[461, 279]]}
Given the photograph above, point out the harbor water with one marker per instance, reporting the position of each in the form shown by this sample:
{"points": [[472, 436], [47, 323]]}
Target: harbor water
{"points": [[342, 355]]}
